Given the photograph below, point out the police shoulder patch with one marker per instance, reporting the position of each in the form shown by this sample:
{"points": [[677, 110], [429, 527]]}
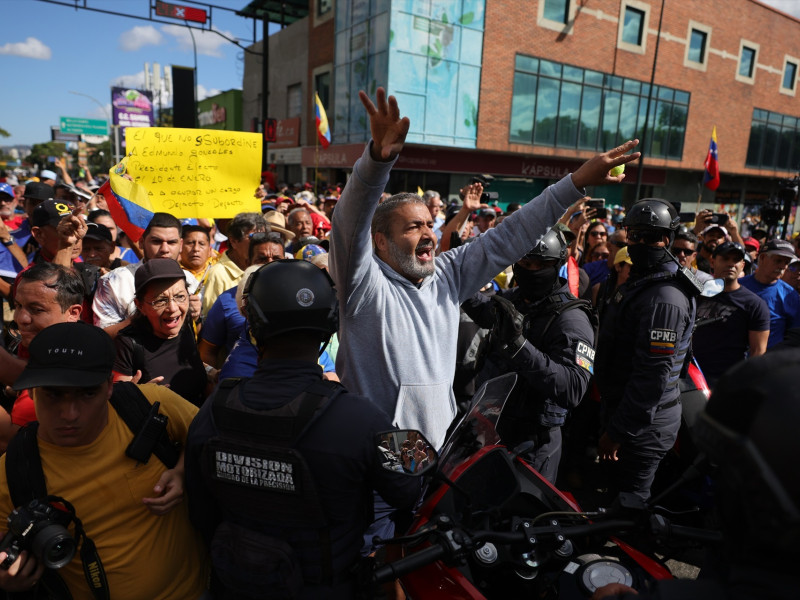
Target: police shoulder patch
{"points": [[662, 341], [584, 356]]}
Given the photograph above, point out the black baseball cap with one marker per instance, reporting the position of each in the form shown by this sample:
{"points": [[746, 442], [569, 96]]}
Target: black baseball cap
{"points": [[779, 247], [727, 248], [50, 212], [68, 354], [155, 269], [36, 190], [97, 231]]}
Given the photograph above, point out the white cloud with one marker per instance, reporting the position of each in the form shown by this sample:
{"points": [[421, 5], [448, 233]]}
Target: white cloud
{"points": [[203, 92], [30, 48], [130, 81], [138, 37], [208, 43], [791, 7], [100, 113]]}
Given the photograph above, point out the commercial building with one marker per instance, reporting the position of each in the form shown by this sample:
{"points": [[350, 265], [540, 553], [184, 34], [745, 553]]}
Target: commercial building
{"points": [[528, 90]]}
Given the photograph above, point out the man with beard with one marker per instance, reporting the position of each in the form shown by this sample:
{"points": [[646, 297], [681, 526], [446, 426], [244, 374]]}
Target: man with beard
{"points": [[400, 303], [641, 348], [536, 333], [737, 321], [711, 237]]}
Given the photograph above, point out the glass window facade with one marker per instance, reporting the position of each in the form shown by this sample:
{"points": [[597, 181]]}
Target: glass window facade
{"points": [[557, 10], [789, 75], [697, 46], [633, 27], [568, 107], [747, 62], [428, 54], [774, 141]]}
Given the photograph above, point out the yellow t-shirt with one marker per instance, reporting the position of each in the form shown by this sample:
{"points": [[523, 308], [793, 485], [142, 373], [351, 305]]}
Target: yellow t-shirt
{"points": [[145, 556]]}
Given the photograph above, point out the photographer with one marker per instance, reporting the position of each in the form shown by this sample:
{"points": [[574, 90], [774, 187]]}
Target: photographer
{"points": [[131, 505]]}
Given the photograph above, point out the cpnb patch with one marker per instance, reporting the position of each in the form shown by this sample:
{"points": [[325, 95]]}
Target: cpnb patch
{"points": [[584, 356], [254, 471], [662, 341]]}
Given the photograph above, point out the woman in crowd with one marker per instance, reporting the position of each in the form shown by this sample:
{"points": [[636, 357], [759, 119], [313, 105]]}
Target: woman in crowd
{"points": [[159, 344]]}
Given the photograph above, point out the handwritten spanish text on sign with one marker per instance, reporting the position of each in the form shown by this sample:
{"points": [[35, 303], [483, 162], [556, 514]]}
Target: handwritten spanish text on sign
{"points": [[196, 173]]}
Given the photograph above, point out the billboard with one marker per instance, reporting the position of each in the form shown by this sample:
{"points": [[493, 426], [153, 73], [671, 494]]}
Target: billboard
{"points": [[131, 108]]}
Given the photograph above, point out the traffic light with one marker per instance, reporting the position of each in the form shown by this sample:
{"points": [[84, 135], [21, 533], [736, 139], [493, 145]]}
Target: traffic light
{"points": [[271, 130]]}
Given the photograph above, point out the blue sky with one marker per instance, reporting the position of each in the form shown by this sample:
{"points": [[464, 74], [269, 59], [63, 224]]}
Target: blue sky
{"points": [[48, 50]]}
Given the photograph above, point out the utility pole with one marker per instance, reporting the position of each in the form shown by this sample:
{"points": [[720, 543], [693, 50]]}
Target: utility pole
{"points": [[264, 85]]}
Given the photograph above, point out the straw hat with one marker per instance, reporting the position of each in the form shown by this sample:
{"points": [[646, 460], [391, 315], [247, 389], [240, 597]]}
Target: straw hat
{"points": [[277, 222]]}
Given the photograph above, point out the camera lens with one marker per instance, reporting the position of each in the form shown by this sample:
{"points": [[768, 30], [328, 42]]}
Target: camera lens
{"points": [[54, 546]]}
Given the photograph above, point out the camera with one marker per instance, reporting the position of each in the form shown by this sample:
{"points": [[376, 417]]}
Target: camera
{"points": [[719, 218], [599, 205], [485, 180], [38, 528]]}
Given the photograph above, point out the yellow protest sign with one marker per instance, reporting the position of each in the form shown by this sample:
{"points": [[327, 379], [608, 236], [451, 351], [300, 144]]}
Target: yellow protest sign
{"points": [[196, 173]]}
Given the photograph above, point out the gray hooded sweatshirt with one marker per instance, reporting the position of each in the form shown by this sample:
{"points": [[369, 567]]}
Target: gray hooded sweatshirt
{"points": [[397, 340]]}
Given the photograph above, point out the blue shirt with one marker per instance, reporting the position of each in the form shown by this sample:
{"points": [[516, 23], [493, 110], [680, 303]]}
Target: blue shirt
{"points": [[243, 359], [224, 323], [783, 302]]}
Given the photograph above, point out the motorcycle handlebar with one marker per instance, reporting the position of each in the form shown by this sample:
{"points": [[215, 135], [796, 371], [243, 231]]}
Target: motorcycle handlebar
{"points": [[403, 566]]}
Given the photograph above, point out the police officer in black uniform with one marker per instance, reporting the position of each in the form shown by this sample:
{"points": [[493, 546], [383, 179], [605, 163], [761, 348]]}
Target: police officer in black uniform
{"points": [[280, 468], [643, 341], [541, 331], [749, 432]]}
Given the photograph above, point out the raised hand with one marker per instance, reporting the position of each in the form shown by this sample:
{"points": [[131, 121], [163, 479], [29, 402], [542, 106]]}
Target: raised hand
{"points": [[595, 171], [72, 228], [388, 129], [472, 196]]}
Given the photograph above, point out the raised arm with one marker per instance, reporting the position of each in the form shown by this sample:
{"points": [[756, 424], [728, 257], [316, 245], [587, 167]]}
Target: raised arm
{"points": [[472, 201], [351, 246], [388, 129]]}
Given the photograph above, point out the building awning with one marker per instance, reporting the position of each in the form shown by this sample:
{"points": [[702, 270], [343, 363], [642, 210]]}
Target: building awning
{"points": [[284, 12]]}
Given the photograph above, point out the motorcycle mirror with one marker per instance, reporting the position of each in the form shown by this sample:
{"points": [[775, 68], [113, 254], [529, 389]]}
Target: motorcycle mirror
{"points": [[712, 287], [406, 451]]}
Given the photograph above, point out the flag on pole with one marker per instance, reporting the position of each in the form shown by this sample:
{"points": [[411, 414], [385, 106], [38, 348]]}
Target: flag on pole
{"points": [[127, 202], [711, 175], [323, 132]]}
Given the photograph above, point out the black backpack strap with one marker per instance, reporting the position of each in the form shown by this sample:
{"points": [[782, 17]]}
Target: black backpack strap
{"points": [[24, 467], [560, 309], [133, 407]]}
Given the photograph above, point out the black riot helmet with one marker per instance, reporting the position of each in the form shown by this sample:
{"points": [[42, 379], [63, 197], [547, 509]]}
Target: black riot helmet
{"points": [[749, 430], [290, 295], [551, 246], [653, 214]]}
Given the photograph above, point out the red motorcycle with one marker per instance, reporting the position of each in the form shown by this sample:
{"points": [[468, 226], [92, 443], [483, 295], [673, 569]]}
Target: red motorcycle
{"points": [[492, 527]]}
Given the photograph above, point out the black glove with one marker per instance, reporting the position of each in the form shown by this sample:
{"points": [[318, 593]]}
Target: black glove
{"points": [[508, 327]]}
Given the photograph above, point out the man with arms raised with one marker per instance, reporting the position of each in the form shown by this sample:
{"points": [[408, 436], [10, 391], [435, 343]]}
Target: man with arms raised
{"points": [[400, 306]]}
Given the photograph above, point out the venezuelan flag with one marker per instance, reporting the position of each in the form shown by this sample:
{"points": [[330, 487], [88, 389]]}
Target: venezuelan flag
{"points": [[127, 202], [323, 132], [711, 175]]}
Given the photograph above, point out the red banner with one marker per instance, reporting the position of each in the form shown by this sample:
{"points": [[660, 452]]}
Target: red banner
{"points": [[175, 11]]}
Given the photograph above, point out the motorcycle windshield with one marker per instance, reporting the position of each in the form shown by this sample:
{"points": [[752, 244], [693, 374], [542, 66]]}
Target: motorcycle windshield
{"points": [[478, 427]]}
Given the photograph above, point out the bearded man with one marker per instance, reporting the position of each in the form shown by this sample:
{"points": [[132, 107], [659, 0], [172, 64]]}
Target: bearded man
{"points": [[400, 302]]}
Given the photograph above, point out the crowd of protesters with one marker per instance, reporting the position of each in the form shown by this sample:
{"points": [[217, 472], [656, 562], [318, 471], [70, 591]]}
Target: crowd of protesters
{"points": [[175, 303]]}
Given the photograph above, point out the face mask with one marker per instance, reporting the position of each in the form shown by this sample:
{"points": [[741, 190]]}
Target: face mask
{"points": [[535, 285], [646, 257]]}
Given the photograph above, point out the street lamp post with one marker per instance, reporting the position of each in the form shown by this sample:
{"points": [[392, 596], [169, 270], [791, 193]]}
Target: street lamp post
{"points": [[108, 118]]}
